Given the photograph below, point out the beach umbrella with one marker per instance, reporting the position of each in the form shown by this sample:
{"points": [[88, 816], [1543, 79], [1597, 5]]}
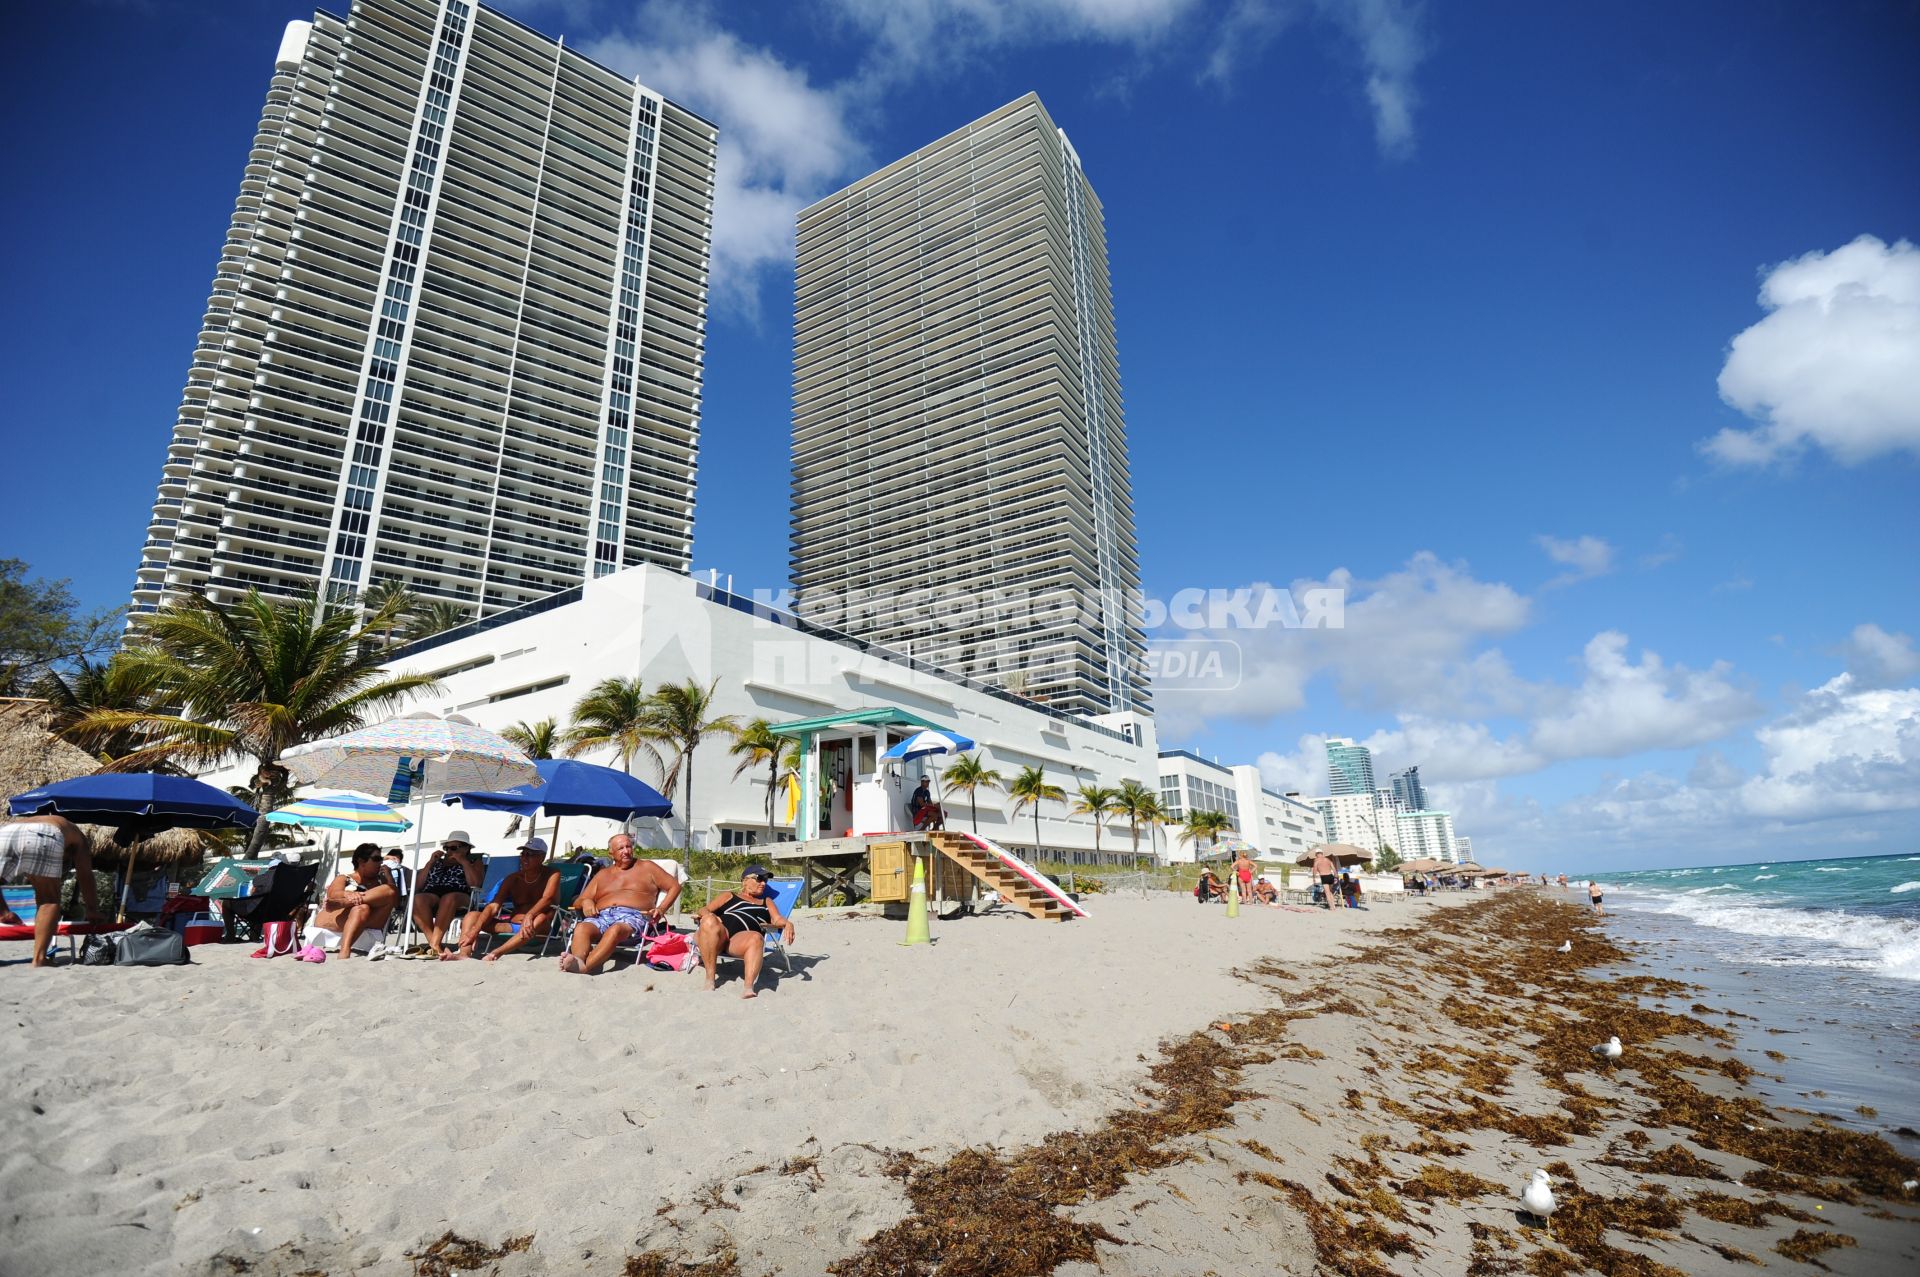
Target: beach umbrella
{"points": [[1340, 853], [149, 801], [355, 813], [930, 741], [571, 788], [143, 803], [415, 754]]}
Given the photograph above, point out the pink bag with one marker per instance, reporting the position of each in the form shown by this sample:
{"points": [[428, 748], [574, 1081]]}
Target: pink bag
{"points": [[671, 952], [278, 939]]}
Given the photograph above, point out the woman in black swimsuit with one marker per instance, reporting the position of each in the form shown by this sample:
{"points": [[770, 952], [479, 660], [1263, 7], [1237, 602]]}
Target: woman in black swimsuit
{"points": [[446, 885], [733, 924]]}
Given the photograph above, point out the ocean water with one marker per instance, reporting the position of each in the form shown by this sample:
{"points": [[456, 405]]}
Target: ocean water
{"points": [[1824, 954]]}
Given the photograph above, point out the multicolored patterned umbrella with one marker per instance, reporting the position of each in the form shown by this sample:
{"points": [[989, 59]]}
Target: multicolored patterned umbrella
{"points": [[424, 751], [356, 813]]}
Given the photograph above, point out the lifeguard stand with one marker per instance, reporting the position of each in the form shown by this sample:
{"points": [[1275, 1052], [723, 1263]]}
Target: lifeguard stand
{"points": [[867, 794]]}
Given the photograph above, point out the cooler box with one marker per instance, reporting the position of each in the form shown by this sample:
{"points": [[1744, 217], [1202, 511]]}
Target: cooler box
{"points": [[203, 929]]}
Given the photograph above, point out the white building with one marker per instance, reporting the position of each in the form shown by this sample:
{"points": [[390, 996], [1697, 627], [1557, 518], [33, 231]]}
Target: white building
{"points": [[538, 661], [1426, 835], [1462, 848], [457, 332], [1364, 820], [1277, 826]]}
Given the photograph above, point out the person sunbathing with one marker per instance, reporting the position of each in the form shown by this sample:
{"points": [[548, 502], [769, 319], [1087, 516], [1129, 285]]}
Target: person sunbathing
{"points": [[622, 905], [356, 903], [526, 897], [1266, 893], [735, 924], [1208, 888]]}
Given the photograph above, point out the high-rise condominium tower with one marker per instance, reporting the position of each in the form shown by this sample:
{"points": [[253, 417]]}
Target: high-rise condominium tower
{"points": [[1408, 793], [1349, 767], [960, 483], [456, 334]]}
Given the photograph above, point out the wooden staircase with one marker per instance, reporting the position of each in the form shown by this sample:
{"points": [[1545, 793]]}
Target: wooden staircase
{"points": [[999, 876]]}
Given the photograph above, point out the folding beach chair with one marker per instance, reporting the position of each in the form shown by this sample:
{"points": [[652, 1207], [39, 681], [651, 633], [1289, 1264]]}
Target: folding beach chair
{"points": [[573, 877], [499, 869], [786, 893], [21, 901]]}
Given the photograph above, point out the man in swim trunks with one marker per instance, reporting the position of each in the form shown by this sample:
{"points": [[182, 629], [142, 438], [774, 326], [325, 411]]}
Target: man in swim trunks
{"points": [[736, 923], [358, 902], [622, 905], [1329, 882], [526, 897], [1266, 893], [39, 848], [1593, 894]]}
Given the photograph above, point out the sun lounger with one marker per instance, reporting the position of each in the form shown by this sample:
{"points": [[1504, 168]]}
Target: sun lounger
{"points": [[20, 900]]}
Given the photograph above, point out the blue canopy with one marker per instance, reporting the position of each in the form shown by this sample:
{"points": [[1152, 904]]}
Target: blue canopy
{"points": [[150, 800], [572, 789], [931, 741]]}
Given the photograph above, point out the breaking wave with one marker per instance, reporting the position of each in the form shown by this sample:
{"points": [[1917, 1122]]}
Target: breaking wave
{"points": [[1890, 946]]}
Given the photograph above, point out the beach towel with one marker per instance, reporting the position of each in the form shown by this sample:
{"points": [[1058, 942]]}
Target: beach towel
{"points": [[671, 952]]}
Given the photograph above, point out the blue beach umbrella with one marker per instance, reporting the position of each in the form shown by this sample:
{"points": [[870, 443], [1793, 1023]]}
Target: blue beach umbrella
{"points": [[144, 800], [570, 788], [931, 741]]}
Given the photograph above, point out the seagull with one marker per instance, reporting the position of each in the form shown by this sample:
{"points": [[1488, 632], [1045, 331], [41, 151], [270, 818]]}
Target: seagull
{"points": [[1611, 1048], [1566, 946], [1536, 1197]]}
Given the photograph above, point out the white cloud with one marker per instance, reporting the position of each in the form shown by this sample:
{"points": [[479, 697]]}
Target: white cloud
{"points": [[1585, 557], [1876, 658], [913, 35], [1711, 770], [1835, 364], [784, 141], [1391, 49], [1844, 750], [1623, 707]]}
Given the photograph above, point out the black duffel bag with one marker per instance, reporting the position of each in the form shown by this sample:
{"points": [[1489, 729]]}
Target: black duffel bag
{"points": [[149, 946]]}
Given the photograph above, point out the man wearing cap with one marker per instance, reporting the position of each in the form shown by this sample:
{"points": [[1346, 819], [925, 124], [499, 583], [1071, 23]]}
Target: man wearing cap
{"points": [[527, 897], [623, 904]]}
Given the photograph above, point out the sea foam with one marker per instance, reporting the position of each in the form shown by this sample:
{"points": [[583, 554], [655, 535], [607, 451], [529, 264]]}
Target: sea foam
{"points": [[1903, 887], [1890, 946]]}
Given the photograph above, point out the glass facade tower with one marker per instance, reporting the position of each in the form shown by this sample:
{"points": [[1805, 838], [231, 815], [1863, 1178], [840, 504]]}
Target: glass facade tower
{"points": [[456, 337], [960, 480], [1349, 767]]}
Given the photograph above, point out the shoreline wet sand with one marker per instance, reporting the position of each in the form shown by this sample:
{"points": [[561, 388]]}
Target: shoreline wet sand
{"points": [[1388, 1084]]}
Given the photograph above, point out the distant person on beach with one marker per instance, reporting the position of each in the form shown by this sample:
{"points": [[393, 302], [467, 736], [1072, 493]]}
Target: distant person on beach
{"points": [[358, 902], [1243, 873], [622, 905], [1208, 888], [526, 897], [1563, 882], [1323, 872], [447, 884], [39, 849], [1266, 893], [736, 923], [397, 872], [1594, 895]]}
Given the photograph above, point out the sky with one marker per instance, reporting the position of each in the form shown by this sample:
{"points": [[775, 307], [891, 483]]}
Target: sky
{"points": [[1579, 345]]}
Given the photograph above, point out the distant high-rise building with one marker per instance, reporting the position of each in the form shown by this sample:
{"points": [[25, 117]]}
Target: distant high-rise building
{"points": [[960, 480], [1408, 793], [1426, 835], [456, 334], [1365, 820], [1349, 767], [1462, 848]]}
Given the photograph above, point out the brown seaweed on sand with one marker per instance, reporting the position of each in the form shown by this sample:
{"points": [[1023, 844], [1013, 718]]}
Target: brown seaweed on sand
{"points": [[456, 1254]]}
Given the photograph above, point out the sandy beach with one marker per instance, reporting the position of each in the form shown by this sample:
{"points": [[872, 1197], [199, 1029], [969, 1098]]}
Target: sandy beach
{"points": [[1388, 1080]]}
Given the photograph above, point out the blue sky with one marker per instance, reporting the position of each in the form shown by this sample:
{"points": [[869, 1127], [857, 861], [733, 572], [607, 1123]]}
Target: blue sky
{"points": [[1457, 305]]}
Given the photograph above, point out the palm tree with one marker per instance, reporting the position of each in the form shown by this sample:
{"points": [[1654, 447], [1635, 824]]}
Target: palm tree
{"points": [[377, 597], [616, 714], [90, 686], [428, 619], [1204, 826], [1139, 805], [1099, 802], [253, 679], [969, 774], [679, 721], [757, 743], [535, 740], [1029, 789]]}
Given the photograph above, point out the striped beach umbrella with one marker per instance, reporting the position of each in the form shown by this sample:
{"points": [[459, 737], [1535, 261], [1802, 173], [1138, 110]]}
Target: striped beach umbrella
{"points": [[930, 741], [355, 813]]}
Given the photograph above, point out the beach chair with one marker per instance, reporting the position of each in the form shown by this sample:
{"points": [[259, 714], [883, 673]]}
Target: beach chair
{"points": [[573, 878], [786, 894], [499, 869]]}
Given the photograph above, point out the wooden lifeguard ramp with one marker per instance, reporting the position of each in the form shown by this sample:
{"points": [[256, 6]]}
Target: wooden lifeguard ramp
{"points": [[1000, 870]]}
